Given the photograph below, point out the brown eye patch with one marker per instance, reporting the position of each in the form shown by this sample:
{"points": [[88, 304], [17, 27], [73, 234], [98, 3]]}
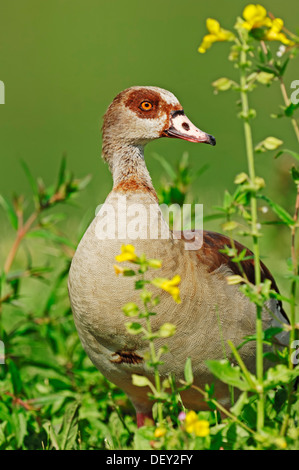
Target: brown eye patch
{"points": [[136, 100], [145, 103]]}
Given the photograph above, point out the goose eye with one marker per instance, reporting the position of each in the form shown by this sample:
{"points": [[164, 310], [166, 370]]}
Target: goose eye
{"points": [[146, 105]]}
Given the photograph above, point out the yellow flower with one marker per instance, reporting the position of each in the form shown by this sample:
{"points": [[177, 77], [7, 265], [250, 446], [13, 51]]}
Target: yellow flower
{"points": [[255, 17], [160, 432], [170, 286], [118, 270], [200, 427], [127, 254], [216, 33], [191, 419], [275, 34]]}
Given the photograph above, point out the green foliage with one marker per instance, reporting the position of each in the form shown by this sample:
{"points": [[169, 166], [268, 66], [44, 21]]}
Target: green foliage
{"points": [[52, 397], [149, 301], [177, 188], [253, 57]]}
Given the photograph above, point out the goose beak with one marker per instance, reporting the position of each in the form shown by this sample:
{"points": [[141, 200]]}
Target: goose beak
{"points": [[182, 128]]}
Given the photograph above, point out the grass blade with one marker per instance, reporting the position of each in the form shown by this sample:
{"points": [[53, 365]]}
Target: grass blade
{"points": [[9, 209], [69, 430]]}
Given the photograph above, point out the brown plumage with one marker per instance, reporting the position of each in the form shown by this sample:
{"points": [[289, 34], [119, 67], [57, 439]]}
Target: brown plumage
{"points": [[212, 256], [211, 311]]}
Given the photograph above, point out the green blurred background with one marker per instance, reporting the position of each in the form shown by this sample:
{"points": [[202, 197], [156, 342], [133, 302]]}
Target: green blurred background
{"points": [[63, 61]]}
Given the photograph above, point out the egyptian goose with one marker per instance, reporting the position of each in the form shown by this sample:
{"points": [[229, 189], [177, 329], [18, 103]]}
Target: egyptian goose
{"points": [[137, 116]]}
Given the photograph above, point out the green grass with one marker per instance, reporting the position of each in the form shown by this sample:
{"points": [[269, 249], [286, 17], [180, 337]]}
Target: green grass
{"points": [[52, 397]]}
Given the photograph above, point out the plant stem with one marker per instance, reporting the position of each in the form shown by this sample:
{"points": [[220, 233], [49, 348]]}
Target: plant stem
{"points": [[244, 369], [220, 407], [295, 272], [156, 371], [287, 103], [22, 231], [254, 231], [292, 315], [251, 168], [295, 269], [283, 90], [293, 234], [120, 416]]}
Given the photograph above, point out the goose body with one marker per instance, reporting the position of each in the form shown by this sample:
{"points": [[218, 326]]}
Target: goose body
{"points": [[211, 311]]}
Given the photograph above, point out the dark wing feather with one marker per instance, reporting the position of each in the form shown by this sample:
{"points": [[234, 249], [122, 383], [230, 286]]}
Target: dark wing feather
{"points": [[210, 255]]}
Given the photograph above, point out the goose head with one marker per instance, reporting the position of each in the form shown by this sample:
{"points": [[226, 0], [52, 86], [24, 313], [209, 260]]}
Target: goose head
{"points": [[141, 114]]}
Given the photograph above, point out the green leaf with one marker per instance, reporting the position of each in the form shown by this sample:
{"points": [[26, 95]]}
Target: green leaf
{"points": [[240, 403], [2, 432], [271, 332], [47, 235], [290, 152], [234, 279], [295, 175], [283, 67], [167, 167], [48, 399], [188, 374], [164, 349], [167, 330], [9, 209], [143, 437], [140, 284], [230, 225], [166, 384], [279, 375], [68, 434], [128, 272], [267, 69], [146, 296], [279, 211], [222, 84], [61, 173], [21, 428], [51, 434], [134, 328], [130, 309], [270, 143], [289, 110], [31, 179], [267, 336], [228, 374], [241, 178], [154, 263], [141, 381], [227, 200], [15, 377], [265, 78]]}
